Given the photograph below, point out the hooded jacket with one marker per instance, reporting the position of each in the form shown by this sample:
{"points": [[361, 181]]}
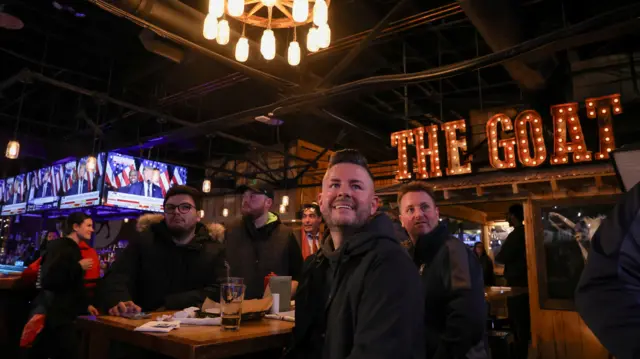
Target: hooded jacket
{"points": [[154, 272], [363, 300], [253, 253], [608, 294], [455, 310]]}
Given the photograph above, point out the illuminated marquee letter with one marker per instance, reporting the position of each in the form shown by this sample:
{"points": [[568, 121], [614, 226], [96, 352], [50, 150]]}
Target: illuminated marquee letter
{"points": [[531, 149], [565, 119], [401, 139], [454, 145], [602, 108], [494, 144], [431, 151]]}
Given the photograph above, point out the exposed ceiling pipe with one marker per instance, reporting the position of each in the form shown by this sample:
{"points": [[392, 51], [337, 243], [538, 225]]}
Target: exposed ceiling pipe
{"points": [[160, 47], [500, 27]]}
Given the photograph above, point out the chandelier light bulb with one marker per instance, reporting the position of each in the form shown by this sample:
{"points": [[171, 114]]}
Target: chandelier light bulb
{"points": [[223, 32], [312, 40], [210, 28], [216, 8], [300, 10], [269, 3], [235, 7], [91, 164], [268, 45], [324, 36], [293, 56], [320, 13], [13, 150], [242, 49], [206, 186]]}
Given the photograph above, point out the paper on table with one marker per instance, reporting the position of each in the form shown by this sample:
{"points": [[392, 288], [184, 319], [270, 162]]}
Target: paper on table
{"points": [[248, 306], [158, 327], [200, 321]]}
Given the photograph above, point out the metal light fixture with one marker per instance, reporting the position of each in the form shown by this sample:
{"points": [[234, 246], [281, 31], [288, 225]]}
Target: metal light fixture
{"points": [[206, 186], [13, 150], [285, 200], [225, 212]]}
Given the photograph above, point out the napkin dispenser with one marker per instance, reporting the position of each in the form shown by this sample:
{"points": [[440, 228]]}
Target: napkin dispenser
{"points": [[282, 286]]}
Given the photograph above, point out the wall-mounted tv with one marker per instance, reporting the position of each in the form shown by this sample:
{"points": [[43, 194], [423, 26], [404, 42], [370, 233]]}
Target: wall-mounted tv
{"points": [[79, 187], [15, 194], [43, 189], [2, 189], [138, 183]]}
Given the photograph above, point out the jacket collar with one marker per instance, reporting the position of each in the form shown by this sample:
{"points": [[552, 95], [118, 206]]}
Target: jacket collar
{"points": [[429, 244]]}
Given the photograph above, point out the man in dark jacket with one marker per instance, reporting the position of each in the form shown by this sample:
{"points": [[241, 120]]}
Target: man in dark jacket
{"points": [[455, 310], [608, 295], [359, 295], [174, 263], [513, 254], [259, 244]]}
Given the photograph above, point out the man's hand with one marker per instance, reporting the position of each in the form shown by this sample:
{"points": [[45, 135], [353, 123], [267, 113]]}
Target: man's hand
{"points": [[124, 308], [93, 311], [86, 263]]}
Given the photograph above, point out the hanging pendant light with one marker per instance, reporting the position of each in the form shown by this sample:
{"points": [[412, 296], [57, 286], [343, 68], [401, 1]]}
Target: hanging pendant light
{"points": [[242, 49], [13, 150], [283, 208], [268, 45], [206, 186], [285, 200], [210, 28], [126, 220], [235, 7], [268, 3], [216, 7], [312, 40], [323, 36], [293, 54], [224, 32], [201, 213], [225, 212], [300, 10], [320, 13], [91, 164]]}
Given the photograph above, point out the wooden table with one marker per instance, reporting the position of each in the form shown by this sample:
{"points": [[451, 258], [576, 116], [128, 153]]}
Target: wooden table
{"points": [[187, 342]]}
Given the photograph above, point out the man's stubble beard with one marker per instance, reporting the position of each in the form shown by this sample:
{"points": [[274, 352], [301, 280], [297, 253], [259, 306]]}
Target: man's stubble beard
{"points": [[179, 232]]}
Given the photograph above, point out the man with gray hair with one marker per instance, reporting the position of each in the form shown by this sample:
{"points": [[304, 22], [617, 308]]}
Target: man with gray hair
{"points": [[359, 296]]}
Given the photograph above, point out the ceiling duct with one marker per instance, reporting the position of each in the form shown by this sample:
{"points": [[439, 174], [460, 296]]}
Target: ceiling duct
{"points": [[161, 47]]}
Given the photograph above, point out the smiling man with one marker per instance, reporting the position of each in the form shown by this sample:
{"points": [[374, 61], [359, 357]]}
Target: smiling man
{"points": [[359, 295], [173, 263], [452, 278], [310, 236]]}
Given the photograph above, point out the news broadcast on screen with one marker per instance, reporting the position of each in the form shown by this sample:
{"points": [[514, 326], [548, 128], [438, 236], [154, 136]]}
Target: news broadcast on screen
{"points": [[15, 196], [138, 183], [43, 193], [79, 183]]}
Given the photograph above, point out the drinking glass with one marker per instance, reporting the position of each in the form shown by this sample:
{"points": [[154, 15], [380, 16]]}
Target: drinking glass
{"points": [[231, 297]]}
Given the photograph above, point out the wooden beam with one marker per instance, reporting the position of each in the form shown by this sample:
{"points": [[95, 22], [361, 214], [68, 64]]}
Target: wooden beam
{"points": [[514, 188], [479, 191], [554, 185]]}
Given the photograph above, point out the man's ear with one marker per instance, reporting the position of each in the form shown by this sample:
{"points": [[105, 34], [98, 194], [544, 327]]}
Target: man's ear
{"points": [[375, 203], [320, 202]]}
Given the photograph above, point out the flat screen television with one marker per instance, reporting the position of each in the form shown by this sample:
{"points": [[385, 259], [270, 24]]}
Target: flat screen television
{"points": [[15, 194], [79, 187], [2, 180], [43, 189], [138, 183]]}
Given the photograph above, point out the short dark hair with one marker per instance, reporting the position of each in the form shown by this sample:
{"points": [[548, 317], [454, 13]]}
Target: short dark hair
{"points": [[312, 205], [195, 194], [73, 218], [518, 211], [350, 156], [415, 186]]}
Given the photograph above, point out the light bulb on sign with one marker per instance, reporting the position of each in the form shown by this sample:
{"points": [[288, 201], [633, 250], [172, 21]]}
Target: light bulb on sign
{"points": [[91, 164], [268, 3], [206, 186], [224, 32], [312, 40], [268, 45], [293, 53], [324, 36], [300, 10], [216, 8], [320, 13], [225, 212], [242, 49], [210, 27], [235, 7], [13, 150]]}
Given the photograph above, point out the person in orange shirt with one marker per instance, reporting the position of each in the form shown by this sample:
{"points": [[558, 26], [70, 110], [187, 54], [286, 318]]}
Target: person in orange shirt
{"points": [[310, 236]]}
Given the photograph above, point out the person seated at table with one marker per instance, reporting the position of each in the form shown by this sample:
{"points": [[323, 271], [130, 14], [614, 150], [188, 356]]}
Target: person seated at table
{"points": [[174, 262], [260, 244], [63, 296]]}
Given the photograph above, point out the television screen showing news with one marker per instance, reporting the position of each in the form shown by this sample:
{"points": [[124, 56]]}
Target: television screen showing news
{"points": [[2, 191], [43, 189], [80, 187], [15, 194], [138, 183]]}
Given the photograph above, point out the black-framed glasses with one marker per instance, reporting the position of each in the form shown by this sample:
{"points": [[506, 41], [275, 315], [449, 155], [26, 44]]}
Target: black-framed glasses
{"points": [[183, 208]]}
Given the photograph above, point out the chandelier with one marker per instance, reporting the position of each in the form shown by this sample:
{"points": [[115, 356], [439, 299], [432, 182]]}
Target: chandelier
{"points": [[290, 14]]}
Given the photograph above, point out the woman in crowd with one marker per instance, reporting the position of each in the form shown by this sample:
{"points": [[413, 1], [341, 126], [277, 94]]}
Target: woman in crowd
{"points": [[63, 296], [487, 264]]}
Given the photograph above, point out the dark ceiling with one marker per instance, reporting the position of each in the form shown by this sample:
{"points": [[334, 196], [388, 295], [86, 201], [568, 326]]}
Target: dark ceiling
{"points": [[87, 70]]}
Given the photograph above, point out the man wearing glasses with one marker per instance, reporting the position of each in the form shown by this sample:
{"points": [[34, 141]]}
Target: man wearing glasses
{"points": [[173, 263]]}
